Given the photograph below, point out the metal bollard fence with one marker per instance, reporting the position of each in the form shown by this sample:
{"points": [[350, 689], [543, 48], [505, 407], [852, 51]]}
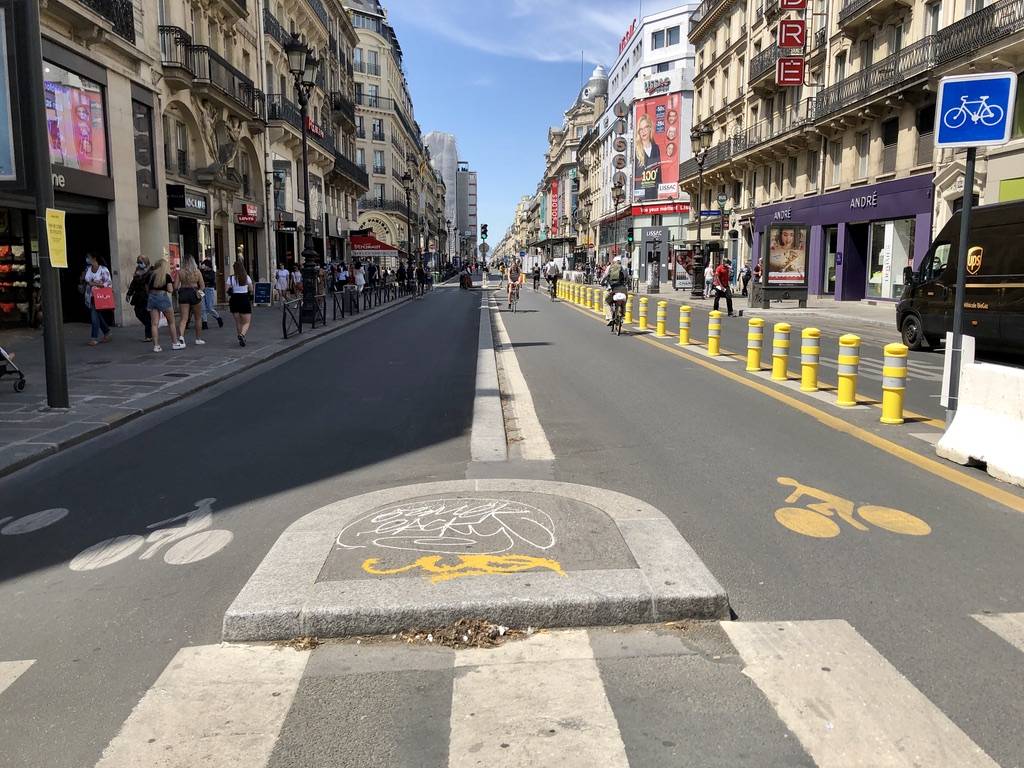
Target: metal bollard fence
{"points": [[714, 332], [755, 341], [628, 319], [661, 316], [894, 383], [642, 325], [810, 357], [780, 351], [684, 326], [849, 361]]}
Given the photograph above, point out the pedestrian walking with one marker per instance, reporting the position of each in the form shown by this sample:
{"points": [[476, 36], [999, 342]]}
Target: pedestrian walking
{"points": [[210, 294], [190, 299], [138, 294], [709, 279], [160, 287], [360, 277], [282, 279], [745, 280], [721, 285], [96, 276], [240, 303], [296, 281]]}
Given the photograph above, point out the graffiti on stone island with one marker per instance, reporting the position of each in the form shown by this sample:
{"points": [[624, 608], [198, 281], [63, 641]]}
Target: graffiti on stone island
{"points": [[467, 565]]}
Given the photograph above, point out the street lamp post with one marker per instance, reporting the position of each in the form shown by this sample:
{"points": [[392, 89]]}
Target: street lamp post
{"points": [[407, 185], [303, 64], [618, 195], [448, 239], [700, 140], [565, 241]]}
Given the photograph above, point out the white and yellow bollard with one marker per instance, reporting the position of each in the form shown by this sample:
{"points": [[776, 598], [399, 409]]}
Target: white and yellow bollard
{"points": [[780, 351], [661, 316], [714, 332], [642, 324], [810, 358], [684, 326], [894, 383], [755, 342], [849, 362], [599, 300], [628, 318]]}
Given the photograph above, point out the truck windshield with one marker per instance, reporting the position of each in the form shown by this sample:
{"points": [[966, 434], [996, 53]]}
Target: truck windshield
{"points": [[937, 264]]}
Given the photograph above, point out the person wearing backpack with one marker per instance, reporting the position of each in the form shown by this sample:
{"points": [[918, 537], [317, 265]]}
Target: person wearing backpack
{"points": [[615, 279]]}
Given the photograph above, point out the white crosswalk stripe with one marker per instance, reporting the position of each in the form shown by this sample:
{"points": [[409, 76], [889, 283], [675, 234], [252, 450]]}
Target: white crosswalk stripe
{"points": [[873, 369], [846, 704], [11, 671], [1009, 626]]}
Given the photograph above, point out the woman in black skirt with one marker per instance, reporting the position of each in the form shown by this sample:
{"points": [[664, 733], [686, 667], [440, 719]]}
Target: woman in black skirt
{"points": [[240, 303]]}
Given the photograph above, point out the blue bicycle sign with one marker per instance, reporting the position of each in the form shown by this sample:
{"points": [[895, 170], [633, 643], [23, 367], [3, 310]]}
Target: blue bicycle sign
{"points": [[974, 110]]}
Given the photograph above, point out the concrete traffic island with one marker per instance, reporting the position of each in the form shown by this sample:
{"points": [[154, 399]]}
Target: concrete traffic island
{"points": [[514, 552]]}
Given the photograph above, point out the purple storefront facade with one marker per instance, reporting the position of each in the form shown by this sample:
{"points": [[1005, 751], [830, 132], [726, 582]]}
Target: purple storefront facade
{"points": [[858, 239]]}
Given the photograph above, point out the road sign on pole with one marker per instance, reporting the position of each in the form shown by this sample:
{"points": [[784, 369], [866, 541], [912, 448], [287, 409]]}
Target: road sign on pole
{"points": [[972, 111]]}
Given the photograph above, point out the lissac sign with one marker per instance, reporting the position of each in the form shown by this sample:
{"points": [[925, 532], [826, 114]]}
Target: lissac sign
{"points": [[627, 37]]}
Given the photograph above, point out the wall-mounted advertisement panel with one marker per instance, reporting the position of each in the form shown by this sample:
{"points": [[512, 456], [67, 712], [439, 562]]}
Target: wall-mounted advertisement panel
{"points": [[75, 121], [7, 170], [656, 148], [787, 255]]}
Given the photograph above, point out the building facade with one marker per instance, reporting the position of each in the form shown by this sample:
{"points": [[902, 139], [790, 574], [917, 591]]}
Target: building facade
{"points": [[466, 211], [841, 173]]}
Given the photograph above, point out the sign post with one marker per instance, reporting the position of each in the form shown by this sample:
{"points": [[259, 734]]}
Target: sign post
{"points": [[972, 111]]}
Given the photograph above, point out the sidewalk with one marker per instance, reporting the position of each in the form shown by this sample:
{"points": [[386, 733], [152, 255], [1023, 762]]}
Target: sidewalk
{"points": [[115, 382]]}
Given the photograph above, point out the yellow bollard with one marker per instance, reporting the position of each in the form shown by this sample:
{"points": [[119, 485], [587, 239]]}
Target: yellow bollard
{"points": [[780, 351], [586, 297], [577, 294], [599, 300], [642, 325], [849, 361], [628, 319], [894, 383], [714, 332], [755, 340], [684, 326], [810, 356], [661, 315]]}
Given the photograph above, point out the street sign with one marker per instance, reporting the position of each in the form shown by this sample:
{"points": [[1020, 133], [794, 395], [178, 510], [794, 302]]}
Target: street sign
{"points": [[484, 248], [789, 70], [722, 198], [522, 254], [792, 33], [975, 110]]}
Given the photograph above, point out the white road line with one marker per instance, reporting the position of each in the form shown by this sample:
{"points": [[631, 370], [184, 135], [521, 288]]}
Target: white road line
{"points": [[849, 707], [534, 445], [1009, 626], [487, 441], [11, 671], [536, 702], [219, 705]]}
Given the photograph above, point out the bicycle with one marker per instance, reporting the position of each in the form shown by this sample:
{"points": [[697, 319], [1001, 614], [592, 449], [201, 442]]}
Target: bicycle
{"points": [[814, 519], [553, 289], [987, 114], [618, 312], [513, 296]]}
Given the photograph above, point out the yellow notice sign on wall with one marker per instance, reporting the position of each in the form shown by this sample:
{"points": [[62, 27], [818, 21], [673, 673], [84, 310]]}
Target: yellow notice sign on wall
{"points": [[56, 238]]}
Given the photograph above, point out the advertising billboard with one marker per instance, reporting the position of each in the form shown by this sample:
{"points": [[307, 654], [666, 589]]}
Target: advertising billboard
{"points": [[656, 143], [75, 121], [7, 170], [787, 255]]}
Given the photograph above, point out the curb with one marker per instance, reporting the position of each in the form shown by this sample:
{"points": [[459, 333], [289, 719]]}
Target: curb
{"points": [[49, 449], [286, 598]]}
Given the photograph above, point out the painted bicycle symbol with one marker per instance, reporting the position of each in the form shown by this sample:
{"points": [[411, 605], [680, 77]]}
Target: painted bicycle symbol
{"points": [[187, 543], [985, 113], [816, 519]]}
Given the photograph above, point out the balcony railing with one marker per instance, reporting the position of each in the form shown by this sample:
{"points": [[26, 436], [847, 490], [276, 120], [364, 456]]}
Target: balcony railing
{"points": [[272, 27], [360, 133], [852, 8], [821, 36], [176, 48], [282, 108], [380, 169], [318, 8], [973, 32], [773, 127], [378, 136], [374, 102], [213, 68], [332, 43], [366, 68], [120, 14], [340, 103], [347, 168], [704, 10], [368, 203], [894, 70], [764, 62]]}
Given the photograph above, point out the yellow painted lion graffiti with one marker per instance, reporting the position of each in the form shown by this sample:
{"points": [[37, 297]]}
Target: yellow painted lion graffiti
{"points": [[467, 565]]}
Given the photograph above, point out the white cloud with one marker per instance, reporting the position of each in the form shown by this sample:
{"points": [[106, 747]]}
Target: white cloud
{"points": [[540, 30]]}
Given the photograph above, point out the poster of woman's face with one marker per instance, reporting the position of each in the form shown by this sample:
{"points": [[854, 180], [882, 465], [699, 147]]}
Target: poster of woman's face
{"points": [[787, 255]]}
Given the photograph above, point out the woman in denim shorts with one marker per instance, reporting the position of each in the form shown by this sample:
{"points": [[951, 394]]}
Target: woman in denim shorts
{"points": [[159, 303]]}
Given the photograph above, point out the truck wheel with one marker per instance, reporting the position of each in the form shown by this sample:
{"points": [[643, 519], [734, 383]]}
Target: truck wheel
{"points": [[913, 334]]}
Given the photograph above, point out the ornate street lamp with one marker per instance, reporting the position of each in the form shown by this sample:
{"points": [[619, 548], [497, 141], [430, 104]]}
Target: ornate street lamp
{"points": [[448, 239], [407, 186], [700, 141], [303, 65], [618, 195]]}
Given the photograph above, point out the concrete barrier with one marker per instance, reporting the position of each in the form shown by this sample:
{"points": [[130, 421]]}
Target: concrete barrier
{"points": [[989, 422]]}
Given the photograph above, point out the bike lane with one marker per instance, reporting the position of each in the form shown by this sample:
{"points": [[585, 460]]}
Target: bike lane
{"points": [[351, 414], [720, 458]]}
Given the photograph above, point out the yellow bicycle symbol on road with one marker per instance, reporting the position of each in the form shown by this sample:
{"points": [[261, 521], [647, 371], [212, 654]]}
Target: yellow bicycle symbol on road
{"points": [[816, 519]]}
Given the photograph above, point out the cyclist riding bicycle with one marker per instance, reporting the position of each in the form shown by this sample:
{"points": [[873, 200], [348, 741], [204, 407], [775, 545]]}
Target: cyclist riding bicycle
{"points": [[515, 278], [616, 279], [552, 273]]}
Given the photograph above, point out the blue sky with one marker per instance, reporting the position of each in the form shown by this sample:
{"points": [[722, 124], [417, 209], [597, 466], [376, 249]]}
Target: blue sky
{"points": [[498, 73]]}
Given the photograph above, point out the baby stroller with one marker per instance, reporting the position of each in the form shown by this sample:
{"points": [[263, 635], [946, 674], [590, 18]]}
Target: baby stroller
{"points": [[8, 368]]}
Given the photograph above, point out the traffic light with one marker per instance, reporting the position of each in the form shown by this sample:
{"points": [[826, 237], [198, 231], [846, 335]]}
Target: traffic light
{"points": [[629, 235], [483, 231]]}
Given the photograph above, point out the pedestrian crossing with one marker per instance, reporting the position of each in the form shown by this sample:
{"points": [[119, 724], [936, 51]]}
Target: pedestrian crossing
{"points": [[872, 369], [788, 693]]}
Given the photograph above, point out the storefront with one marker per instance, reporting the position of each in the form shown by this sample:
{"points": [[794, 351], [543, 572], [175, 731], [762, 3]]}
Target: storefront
{"points": [[188, 224], [336, 232], [248, 225], [852, 244], [285, 233]]}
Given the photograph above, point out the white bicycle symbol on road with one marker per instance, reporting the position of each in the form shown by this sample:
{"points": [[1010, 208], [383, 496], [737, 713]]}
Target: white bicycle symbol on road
{"points": [[985, 113], [189, 543]]}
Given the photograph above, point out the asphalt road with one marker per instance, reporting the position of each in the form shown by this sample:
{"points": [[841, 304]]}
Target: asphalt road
{"points": [[390, 403]]}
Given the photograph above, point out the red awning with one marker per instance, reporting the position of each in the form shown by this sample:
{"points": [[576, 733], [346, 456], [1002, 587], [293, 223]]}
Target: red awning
{"points": [[365, 243]]}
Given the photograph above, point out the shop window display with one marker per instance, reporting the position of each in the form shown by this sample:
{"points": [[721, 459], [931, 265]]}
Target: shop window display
{"points": [[19, 283], [892, 249]]}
